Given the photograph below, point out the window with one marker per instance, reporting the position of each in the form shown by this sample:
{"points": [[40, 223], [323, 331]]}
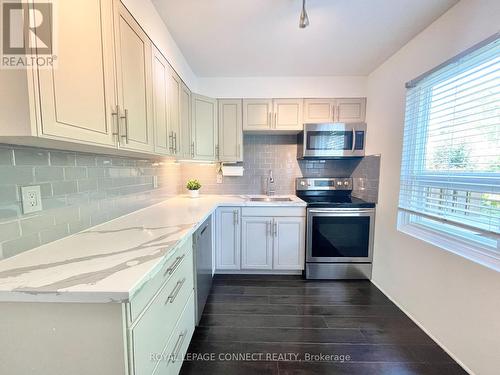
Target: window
{"points": [[450, 172]]}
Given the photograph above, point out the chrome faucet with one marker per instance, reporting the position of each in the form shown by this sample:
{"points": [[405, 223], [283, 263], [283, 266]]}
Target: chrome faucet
{"points": [[270, 184]]}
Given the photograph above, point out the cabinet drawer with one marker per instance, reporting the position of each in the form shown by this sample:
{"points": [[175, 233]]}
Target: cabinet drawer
{"points": [[151, 287], [153, 329], [177, 346], [273, 211]]}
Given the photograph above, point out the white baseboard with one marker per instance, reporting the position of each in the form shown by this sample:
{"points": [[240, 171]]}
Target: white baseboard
{"points": [[425, 330]]}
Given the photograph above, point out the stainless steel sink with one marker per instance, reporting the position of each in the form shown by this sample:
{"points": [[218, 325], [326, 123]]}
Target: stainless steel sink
{"points": [[269, 199]]}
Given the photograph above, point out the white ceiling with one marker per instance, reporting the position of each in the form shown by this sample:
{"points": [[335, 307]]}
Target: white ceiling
{"points": [[242, 38]]}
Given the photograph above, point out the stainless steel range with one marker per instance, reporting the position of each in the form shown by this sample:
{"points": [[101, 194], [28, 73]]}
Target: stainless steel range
{"points": [[340, 229]]}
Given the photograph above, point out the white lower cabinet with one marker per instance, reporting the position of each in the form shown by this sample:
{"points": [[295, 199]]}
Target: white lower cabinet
{"points": [[173, 354], [228, 238], [256, 244], [288, 243], [153, 329], [267, 242]]}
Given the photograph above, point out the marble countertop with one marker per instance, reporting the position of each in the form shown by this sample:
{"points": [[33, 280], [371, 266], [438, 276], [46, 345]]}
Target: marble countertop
{"points": [[110, 262]]}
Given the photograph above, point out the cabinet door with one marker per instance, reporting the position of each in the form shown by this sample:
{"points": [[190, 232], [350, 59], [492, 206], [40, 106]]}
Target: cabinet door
{"points": [[174, 109], [133, 63], [230, 130], [160, 103], [204, 127], [288, 114], [228, 238], [351, 110], [187, 150], [257, 114], [288, 243], [319, 110], [256, 243], [77, 97]]}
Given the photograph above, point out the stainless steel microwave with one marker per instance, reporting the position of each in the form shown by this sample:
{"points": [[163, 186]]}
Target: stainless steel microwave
{"points": [[331, 140]]}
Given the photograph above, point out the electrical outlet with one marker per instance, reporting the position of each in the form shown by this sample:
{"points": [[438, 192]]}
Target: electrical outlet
{"points": [[31, 199], [219, 178]]}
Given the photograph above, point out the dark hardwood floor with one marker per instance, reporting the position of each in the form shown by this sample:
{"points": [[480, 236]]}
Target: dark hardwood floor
{"points": [[287, 325]]}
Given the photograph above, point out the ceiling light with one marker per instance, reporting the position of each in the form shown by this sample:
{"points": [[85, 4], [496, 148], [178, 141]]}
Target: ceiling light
{"points": [[304, 19]]}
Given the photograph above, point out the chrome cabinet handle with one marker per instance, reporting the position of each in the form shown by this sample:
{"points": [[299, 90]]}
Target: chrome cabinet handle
{"points": [[333, 113], [235, 217], [125, 116], [175, 292], [116, 122], [175, 142], [275, 229], [238, 150], [178, 346], [192, 149], [270, 120], [217, 151], [353, 140], [171, 142], [275, 120], [170, 270]]}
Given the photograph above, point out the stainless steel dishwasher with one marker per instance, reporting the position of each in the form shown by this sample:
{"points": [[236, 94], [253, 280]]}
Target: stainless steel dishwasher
{"points": [[203, 265]]}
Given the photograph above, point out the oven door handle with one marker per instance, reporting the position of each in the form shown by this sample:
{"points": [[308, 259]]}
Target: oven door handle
{"points": [[342, 211]]}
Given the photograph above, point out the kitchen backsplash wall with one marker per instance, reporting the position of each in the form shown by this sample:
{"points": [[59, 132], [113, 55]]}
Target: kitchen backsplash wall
{"points": [[278, 153], [78, 191], [366, 178], [261, 153]]}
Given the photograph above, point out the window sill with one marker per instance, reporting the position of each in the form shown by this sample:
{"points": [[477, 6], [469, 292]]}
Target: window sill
{"points": [[472, 252]]}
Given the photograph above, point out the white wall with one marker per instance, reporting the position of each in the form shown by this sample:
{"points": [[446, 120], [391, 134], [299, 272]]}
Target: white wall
{"points": [[455, 300], [283, 87], [146, 14]]}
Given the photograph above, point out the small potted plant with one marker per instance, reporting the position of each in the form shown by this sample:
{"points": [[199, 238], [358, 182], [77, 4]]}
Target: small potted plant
{"points": [[193, 187]]}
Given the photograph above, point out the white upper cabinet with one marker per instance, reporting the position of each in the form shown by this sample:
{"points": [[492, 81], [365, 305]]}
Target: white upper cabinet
{"points": [[319, 110], [228, 238], [77, 97], [174, 110], [269, 115], [230, 130], [160, 102], [133, 63], [204, 127], [287, 114], [334, 110], [288, 243], [257, 114], [351, 110], [187, 150]]}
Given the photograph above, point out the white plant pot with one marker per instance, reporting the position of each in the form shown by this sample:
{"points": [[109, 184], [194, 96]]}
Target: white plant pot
{"points": [[194, 193]]}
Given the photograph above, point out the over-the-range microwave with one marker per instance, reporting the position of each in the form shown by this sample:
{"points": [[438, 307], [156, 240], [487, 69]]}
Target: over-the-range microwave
{"points": [[331, 140]]}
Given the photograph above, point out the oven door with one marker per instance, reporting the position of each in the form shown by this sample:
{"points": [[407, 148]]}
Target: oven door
{"points": [[334, 140], [340, 235]]}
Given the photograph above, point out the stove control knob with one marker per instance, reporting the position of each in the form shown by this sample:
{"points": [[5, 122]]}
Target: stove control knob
{"points": [[302, 183], [346, 183], [339, 183]]}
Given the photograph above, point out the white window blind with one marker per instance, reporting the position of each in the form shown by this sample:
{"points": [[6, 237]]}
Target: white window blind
{"points": [[450, 172]]}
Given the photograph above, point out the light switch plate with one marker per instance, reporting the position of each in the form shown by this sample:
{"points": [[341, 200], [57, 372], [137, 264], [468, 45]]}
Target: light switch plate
{"points": [[31, 199]]}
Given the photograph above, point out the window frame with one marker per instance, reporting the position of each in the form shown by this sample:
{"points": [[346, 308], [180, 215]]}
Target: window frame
{"points": [[414, 224]]}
